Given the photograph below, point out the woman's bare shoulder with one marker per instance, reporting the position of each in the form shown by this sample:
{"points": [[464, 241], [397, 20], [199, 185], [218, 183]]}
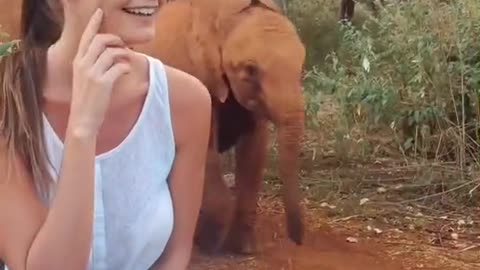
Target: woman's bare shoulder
{"points": [[187, 89], [190, 101]]}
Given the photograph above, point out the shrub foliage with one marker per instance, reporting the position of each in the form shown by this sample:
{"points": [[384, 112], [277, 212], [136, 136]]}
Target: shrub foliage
{"points": [[412, 70]]}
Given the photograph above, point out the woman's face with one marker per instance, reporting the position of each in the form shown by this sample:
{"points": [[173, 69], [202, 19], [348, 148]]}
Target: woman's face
{"points": [[131, 20]]}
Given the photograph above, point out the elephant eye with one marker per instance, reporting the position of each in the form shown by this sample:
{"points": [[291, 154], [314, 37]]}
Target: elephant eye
{"points": [[251, 70]]}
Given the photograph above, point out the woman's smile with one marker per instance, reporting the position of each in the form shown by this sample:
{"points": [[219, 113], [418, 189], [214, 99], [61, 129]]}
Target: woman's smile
{"points": [[141, 11]]}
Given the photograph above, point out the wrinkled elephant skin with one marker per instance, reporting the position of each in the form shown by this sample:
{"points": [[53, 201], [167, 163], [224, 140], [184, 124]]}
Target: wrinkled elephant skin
{"points": [[250, 58]]}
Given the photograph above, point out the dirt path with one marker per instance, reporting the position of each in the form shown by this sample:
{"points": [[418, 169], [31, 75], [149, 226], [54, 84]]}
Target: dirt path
{"points": [[325, 249]]}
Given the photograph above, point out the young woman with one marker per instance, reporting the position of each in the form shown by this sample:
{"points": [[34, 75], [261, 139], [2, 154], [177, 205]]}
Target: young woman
{"points": [[102, 149]]}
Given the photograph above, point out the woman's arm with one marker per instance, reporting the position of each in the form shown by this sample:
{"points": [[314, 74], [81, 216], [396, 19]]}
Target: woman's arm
{"points": [[191, 112], [31, 237]]}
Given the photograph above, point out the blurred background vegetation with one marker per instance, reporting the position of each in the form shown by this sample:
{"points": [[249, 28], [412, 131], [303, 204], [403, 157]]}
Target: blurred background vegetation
{"points": [[398, 89], [411, 71]]}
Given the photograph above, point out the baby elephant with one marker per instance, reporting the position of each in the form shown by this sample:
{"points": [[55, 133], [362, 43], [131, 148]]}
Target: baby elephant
{"points": [[250, 57]]}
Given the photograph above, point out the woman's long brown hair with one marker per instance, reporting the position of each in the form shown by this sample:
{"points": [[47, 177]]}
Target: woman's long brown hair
{"points": [[21, 80]]}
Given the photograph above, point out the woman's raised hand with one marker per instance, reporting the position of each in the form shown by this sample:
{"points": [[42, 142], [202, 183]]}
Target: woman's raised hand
{"points": [[101, 59]]}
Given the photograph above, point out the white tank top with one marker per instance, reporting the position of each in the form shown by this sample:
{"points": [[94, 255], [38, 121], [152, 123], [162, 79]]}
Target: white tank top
{"points": [[133, 211]]}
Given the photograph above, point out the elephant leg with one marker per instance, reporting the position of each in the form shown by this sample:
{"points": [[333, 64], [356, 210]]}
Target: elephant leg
{"points": [[217, 208], [250, 155]]}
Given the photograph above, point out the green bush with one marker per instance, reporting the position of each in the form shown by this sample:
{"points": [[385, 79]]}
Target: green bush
{"points": [[414, 70], [318, 25], [6, 46]]}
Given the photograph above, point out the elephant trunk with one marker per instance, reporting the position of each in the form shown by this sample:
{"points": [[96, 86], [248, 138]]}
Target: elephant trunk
{"points": [[290, 127]]}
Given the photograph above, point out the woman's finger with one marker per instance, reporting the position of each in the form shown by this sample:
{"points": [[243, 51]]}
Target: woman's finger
{"points": [[108, 58], [90, 31], [98, 45]]}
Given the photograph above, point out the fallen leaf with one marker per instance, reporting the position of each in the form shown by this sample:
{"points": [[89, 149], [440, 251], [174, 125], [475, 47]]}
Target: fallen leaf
{"points": [[364, 201], [352, 240], [381, 190], [325, 205]]}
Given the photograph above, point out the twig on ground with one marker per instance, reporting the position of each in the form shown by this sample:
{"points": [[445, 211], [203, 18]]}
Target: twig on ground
{"points": [[441, 193], [469, 248], [343, 219], [473, 189]]}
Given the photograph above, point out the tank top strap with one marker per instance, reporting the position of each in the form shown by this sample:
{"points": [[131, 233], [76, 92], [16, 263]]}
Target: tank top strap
{"points": [[161, 96], [159, 79]]}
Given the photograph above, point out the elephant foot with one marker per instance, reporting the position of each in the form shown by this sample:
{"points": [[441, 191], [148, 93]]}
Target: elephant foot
{"points": [[241, 240], [210, 235], [296, 227]]}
